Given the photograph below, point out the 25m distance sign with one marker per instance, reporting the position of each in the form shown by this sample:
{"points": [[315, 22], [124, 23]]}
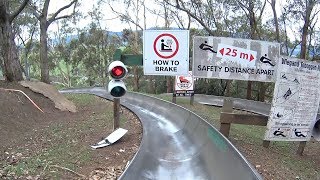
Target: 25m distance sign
{"points": [[230, 58]]}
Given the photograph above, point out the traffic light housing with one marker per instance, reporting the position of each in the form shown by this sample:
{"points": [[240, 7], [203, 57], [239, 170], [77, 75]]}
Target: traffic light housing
{"points": [[116, 87]]}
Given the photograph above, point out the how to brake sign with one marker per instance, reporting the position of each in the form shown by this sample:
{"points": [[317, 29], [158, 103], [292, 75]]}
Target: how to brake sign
{"points": [[166, 46], [236, 53]]}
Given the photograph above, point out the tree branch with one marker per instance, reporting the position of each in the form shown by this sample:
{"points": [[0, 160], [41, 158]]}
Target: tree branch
{"points": [[18, 11], [245, 9], [61, 17], [127, 18], [45, 9], [262, 10], [193, 16], [54, 16]]}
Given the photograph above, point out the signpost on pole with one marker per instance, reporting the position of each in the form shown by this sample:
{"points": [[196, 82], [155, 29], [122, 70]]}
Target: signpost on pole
{"points": [[184, 86]]}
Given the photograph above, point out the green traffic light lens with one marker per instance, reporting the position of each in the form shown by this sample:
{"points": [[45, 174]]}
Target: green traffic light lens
{"points": [[117, 91]]}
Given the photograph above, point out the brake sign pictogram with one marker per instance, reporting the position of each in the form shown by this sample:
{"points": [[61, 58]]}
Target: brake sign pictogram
{"points": [[166, 46]]}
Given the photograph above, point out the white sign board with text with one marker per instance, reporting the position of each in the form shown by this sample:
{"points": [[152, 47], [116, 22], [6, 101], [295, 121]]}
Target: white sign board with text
{"points": [[166, 52], [184, 84], [239, 59], [295, 101]]}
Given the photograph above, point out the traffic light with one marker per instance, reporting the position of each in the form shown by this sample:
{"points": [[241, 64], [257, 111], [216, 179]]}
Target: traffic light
{"points": [[116, 86]]}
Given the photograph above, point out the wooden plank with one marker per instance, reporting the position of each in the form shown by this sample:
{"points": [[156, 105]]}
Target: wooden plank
{"points": [[226, 108], [247, 119], [225, 129]]}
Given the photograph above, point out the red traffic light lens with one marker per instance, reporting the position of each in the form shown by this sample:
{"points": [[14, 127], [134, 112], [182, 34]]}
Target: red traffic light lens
{"points": [[117, 72]]}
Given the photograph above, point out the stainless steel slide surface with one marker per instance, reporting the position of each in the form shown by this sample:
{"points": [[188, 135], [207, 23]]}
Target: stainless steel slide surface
{"points": [[178, 144]]}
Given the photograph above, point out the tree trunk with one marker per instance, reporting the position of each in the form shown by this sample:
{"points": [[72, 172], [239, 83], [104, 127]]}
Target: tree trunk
{"points": [[11, 64], [151, 85], [304, 41], [262, 91], [276, 23], [44, 51], [1, 65], [309, 7], [228, 88], [136, 78], [27, 69], [169, 84], [249, 90], [253, 34]]}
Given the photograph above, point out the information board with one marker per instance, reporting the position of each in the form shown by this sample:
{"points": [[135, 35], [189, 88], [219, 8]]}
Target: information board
{"points": [[166, 52], [295, 101], [239, 59]]}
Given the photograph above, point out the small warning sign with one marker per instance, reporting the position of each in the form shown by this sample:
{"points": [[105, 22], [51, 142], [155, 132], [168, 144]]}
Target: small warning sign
{"points": [[184, 85]]}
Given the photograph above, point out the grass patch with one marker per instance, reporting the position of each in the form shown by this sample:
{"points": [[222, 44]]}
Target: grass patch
{"points": [[61, 142], [81, 99]]}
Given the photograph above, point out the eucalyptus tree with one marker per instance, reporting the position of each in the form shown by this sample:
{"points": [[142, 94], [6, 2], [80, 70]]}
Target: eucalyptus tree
{"points": [[275, 17], [9, 60], [62, 52], [304, 12], [89, 54], [26, 29], [46, 19]]}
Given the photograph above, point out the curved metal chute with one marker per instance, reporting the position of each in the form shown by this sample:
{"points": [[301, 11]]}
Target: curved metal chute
{"points": [[178, 144]]}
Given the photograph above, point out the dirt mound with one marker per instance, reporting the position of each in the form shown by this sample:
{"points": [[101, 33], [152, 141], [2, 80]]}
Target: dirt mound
{"points": [[52, 93], [56, 144], [19, 115]]}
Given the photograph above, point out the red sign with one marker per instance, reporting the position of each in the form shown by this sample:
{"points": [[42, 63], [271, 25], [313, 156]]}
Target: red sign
{"points": [[166, 46]]}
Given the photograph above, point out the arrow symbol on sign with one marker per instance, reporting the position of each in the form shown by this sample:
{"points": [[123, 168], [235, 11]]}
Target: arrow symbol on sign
{"points": [[251, 57], [221, 51]]}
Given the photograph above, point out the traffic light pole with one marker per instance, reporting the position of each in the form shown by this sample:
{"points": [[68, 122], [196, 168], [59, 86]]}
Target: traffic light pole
{"points": [[116, 113]]}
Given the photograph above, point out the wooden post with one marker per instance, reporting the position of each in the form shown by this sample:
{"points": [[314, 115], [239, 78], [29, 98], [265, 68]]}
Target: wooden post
{"points": [[116, 113], [191, 99], [301, 147], [227, 107], [174, 98]]}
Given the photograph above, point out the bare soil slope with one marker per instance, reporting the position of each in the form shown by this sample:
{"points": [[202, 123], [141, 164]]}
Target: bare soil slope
{"points": [[56, 144]]}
